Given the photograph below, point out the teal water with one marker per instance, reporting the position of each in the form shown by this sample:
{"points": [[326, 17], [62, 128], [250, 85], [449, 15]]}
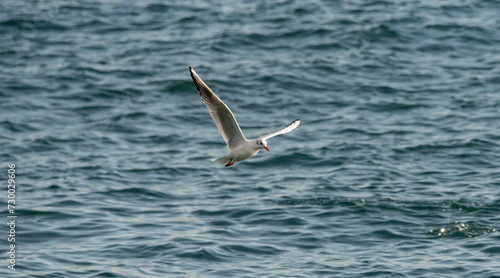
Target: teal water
{"points": [[393, 172]]}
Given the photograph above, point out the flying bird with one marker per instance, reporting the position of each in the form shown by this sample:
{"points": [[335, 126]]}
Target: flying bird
{"points": [[239, 147]]}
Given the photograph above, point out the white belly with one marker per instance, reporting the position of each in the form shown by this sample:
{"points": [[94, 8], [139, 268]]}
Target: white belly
{"points": [[242, 153]]}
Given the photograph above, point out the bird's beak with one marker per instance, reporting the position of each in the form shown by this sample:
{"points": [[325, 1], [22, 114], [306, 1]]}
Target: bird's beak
{"points": [[266, 148]]}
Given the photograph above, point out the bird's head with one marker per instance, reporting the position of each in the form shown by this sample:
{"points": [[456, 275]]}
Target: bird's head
{"points": [[262, 144]]}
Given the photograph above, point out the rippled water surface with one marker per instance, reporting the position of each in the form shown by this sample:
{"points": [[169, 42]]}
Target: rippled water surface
{"points": [[393, 172]]}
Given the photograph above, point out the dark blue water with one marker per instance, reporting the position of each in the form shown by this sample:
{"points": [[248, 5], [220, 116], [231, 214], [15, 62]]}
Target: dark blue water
{"points": [[393, 172]]}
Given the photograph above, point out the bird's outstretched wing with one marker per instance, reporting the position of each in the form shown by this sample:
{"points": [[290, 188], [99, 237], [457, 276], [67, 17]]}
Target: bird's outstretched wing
{"points": [[293, 125], [221, 114]]}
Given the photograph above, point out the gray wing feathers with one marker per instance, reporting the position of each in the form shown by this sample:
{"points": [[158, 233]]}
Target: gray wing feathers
{"points": [[221, 114]]}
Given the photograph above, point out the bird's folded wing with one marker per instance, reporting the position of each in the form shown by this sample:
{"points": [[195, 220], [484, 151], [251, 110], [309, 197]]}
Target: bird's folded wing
{"points": [[293, 125], [221, 114]]}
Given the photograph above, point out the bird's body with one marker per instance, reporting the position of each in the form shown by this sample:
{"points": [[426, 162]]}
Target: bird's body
{"points": [[239, 147], [242, 152]]}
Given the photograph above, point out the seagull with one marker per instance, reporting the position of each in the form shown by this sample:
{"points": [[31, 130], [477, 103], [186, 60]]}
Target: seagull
{"points": [[239, 147]]}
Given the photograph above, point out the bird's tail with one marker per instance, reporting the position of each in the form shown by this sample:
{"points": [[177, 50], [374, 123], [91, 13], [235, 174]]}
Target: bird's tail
{"points": [[221, 160]]}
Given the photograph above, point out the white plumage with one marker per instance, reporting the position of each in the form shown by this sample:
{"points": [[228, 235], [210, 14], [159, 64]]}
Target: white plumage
{"points": [[240, 148]]}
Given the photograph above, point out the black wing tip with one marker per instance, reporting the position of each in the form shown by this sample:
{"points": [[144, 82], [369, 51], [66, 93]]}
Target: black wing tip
{"points": [[191, 72], [197, 82], [296, 120]]}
